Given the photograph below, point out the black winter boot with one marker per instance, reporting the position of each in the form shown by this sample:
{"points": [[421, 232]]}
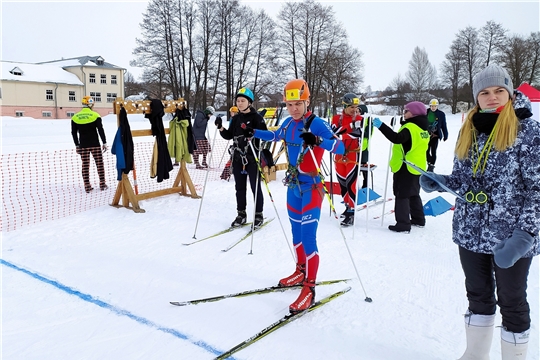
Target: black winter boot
{"points": [[241, 219], [259, 219]]}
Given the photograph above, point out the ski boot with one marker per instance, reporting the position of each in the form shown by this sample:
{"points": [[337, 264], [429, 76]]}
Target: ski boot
{"points": [[240, 220], [349, 219], [295, 278], [259, 220], [430, 167], [399, 228], [305, 299], [344, 213]]}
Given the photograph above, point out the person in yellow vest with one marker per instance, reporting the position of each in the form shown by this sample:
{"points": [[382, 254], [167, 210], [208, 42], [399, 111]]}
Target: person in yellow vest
{"points": [[85, 127], [410, 143]]}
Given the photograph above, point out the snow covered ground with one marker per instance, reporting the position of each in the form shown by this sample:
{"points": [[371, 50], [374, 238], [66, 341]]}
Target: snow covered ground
{"points": [[97, 285]]}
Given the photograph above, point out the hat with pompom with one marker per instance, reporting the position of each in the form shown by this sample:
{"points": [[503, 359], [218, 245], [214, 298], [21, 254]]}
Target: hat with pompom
{"points": [[492, 75], [416, 108]]}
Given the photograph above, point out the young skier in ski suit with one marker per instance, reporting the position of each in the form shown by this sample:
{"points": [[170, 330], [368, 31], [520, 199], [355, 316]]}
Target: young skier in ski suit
{"points": [[305, 136], [437, 131], [497, 171], [348, 126], [243, 160]]}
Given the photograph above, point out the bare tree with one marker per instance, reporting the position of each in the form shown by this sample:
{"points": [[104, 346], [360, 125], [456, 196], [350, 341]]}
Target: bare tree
{"points": [[517, 58], [421, 74], [492, 37], [452, 72], [534, 51], [469, 44]]}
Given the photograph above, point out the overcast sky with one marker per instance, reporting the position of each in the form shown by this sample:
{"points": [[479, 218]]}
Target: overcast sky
{"points": [[385, 32]]}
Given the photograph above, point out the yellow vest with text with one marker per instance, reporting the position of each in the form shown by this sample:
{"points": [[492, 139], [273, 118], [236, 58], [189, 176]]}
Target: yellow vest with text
{"points": [[417, 153], [85, 116]]}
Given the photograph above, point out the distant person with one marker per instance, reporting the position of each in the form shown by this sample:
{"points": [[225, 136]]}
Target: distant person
{"points": [[232, 112], [496, 226], [410, 143], [85, 127], [348, 127], [243, 159], [199, 132], [437, 131], [306, 137]]}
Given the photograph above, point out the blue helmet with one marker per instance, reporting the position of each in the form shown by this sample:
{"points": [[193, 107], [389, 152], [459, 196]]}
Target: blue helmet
{"points": [[245, 92]]}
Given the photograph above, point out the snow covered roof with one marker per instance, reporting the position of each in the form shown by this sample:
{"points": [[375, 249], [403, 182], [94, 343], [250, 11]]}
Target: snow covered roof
{"points": [[97, 61], [15, 71]]}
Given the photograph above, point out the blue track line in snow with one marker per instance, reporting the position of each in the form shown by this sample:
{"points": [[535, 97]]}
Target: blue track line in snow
{"points": [[118, 311]]}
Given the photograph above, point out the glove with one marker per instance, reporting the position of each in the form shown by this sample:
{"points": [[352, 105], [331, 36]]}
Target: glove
{"points": [[357, 133], [377, 122], [104, 147], [310, 139], [78, 150], [218, 122], [429, 184], [248, 132], [508, 251], [338, 130]]}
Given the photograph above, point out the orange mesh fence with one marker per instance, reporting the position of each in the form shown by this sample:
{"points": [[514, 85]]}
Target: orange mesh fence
{"points": [[48, 185]]}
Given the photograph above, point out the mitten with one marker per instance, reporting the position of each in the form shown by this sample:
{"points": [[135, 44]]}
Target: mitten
{"points": [[357, 133], [310, 139], [431, 182], [338, 130], [377, 122], [218, 122], [508, 251]]}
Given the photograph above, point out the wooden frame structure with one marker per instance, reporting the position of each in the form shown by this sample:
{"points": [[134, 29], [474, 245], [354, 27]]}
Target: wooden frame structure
{"points": [[124, 190]]}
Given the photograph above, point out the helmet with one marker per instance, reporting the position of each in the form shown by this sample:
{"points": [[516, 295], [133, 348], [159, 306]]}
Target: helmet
{"points": [[296, 89], [233, 109], [434, 102], [245, 92], [87, 101], [209, 110], [350, 99]]}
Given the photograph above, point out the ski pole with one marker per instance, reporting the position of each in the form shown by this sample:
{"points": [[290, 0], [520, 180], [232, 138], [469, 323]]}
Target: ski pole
{"points": [[423, 172], [367, 299], [358, 166], [368, 182], [392, 123], [257, 181], [204, 186], [272, 200]]}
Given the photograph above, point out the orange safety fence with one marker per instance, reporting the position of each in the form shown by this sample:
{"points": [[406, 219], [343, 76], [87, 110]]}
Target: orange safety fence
{"points": [[48, 185]]}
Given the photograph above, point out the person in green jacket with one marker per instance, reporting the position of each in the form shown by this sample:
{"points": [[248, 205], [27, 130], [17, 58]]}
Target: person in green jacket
{"points": [[410, 143], [85, 127]]}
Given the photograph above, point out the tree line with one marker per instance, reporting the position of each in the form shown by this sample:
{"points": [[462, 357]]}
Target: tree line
{"points": [[206, 50], [471, 50]]}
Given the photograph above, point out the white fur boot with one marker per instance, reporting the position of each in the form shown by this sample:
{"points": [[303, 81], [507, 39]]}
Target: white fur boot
{"points": [[514, 345], [479, 330]]}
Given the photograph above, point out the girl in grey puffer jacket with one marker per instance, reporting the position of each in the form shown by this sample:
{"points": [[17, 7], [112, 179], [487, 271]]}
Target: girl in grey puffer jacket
{"points": [[497, 171]]}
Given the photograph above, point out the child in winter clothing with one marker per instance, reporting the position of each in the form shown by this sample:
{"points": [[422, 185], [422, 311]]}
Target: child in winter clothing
{"points": [[496, 168], [306, 137], [437, 131], [243, 160], [410, 143]]}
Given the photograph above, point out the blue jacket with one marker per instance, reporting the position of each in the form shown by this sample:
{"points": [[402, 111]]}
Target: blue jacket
{"points": [[439, 125]]}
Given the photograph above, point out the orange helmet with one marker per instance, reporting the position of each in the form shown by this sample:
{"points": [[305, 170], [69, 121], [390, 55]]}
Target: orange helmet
{"points": [[296, 89], [87, 101], [233, 109]]}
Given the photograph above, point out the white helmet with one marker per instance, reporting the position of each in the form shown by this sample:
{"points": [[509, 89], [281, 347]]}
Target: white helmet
{"points": [[209, 110], [434, 102]]}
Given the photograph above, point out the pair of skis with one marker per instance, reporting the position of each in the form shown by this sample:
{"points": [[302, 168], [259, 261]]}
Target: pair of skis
{"points": [[274, 326], [230, 229]]}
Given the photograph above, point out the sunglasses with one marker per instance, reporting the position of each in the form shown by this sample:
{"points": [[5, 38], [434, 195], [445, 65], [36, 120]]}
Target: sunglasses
{"points": [[405, 111]]}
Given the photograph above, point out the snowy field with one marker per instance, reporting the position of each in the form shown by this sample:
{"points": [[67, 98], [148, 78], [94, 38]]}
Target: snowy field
{"points": [[97, 285]]}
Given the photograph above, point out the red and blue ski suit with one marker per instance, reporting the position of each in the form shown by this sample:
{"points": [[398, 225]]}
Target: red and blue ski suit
{"points": [[305, 192]]}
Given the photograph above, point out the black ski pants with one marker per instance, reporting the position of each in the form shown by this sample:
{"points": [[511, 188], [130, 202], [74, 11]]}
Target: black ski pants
{"points": [[432, 150], [408, 207], [483, 278], [241, 174]]}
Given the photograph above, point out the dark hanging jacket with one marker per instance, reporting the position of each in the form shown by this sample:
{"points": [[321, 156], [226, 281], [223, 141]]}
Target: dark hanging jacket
{"points": [[164, 163], [123, 146]]}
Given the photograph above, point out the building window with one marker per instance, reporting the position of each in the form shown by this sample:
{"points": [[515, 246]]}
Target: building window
{"points": [[49, 95], [96, 96], [70, 114], [113, 79], [92, 78], [111, 97], [46, 114], [19, 113], [103, 79], [72, 96]]}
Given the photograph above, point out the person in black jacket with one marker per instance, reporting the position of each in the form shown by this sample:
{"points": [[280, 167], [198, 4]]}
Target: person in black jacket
{"points": [[243, 159], [199, 132], [437, 130]]}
